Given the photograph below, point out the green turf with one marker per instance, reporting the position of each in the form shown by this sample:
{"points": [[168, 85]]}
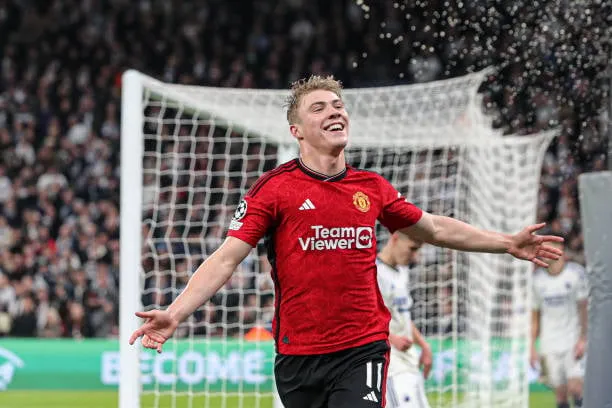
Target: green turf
{"points": [[108, 399], [102, 399]]}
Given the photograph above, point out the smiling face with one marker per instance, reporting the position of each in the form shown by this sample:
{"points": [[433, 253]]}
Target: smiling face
{"points": [[316, 114], [322, 121]]}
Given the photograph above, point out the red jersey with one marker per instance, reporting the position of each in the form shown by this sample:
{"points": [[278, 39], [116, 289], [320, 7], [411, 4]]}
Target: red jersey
{"points": [[321, 241]]}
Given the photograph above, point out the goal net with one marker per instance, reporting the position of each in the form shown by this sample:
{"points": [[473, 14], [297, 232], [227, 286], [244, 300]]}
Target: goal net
{"points": [[190, 153]]}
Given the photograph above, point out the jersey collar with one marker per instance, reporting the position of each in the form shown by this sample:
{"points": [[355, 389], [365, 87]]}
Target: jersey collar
{"points": [[390, 266], [320, 176]]}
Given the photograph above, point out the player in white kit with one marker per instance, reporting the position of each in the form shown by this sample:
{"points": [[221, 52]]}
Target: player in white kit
{"points": [[559, 317], [405, 382]]}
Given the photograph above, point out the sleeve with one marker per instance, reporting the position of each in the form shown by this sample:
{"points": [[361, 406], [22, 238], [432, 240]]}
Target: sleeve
{"points": [[397, 212], [253, 217], [536, 304], [582, 288]]}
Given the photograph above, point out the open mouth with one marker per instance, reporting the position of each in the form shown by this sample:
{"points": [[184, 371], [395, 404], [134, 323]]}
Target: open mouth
{"points": [[335, 127]]}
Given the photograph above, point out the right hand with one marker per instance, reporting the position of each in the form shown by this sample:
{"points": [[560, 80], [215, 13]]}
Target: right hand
{"points": [[159, 327], [401, 343], [534, 358], [426, 360], [530, 247]]}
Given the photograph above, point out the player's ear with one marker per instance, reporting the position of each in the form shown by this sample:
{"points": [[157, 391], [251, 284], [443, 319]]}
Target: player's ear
{"points": [[296, 132]]}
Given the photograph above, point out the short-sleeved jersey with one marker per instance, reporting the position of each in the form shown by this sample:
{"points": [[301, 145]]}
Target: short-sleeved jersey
{"points": [[394, 284], [556, 297], [321, 242]]}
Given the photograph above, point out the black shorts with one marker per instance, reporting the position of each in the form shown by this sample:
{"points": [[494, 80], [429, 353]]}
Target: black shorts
{"points": [[352, 378]]}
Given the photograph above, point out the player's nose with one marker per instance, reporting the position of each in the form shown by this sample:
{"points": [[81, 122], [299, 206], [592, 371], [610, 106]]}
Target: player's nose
{"points": [[334, 116]]}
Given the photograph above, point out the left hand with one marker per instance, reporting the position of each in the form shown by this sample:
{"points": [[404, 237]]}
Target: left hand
{"points": [[426, 361], [580, 348], [402, 343], [530, 247]]}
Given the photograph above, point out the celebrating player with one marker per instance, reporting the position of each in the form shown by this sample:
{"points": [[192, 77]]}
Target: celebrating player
{"points": [[318, 216], [405, 385], [560, 319]]}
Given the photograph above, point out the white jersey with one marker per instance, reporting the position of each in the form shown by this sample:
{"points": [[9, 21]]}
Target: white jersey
{"points": [[394, 284], [556, 297]]}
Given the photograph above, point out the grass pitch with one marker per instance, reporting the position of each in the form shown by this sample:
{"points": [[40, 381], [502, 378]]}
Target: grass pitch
{"points": [[108, 399]]}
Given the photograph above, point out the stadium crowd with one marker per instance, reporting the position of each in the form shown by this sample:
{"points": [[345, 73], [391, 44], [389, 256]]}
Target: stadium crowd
{"points": [[60, 83]]}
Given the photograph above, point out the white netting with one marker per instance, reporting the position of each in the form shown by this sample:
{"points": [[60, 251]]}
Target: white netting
{"points": [[473, 308], [204, 147]]}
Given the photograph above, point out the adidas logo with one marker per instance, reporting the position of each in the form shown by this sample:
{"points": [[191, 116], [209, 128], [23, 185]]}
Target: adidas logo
{"points": [[371, 397], [307, 205]]}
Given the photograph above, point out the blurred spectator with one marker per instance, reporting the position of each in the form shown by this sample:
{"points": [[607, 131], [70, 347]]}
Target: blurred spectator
{"points": [[24, 317], [60, 67]]}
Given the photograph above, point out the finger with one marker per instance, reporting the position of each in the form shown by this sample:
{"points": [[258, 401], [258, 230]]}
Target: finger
{"points": [[146, 341], [146, 315], [551, 238], [150, 343], [157, 338], [539, 262], [533, 228], [159, 348], [135, 335], [548, 254], [554, 250]]}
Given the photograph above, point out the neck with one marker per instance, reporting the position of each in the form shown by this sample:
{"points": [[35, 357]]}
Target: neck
{"points": [[386, 256], [328, 164], [556, 268]]}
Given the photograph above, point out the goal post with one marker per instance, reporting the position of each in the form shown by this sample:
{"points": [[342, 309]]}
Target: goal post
{"points": [[189, 153], [132, 148]]}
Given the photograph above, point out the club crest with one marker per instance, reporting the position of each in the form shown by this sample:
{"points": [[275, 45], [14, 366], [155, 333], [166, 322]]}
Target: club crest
{"points": [[361, 201]]}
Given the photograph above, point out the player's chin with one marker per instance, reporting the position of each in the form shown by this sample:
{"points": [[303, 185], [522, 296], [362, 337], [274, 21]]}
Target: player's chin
{"points": [[337, 139]]}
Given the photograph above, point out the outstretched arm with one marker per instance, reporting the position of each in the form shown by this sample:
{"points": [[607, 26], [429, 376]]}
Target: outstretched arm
{"points": [[209, 277], [205, 282], [454, 234]]}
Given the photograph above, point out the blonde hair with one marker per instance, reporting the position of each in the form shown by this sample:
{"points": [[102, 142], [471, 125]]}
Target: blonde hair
{"points": [[304, 86]]}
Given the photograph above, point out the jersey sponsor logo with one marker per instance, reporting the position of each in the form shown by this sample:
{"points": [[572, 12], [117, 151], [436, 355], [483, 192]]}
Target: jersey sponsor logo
{"points": [[240, 211], [323, 238], [556, 300], [402, 303], [361, 201]]}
